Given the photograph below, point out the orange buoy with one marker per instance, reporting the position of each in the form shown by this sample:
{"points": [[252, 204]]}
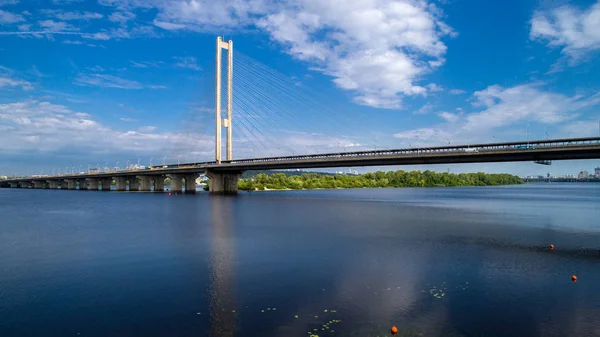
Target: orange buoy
{"points": [[551, 247], [574, 278], [394, 330]]}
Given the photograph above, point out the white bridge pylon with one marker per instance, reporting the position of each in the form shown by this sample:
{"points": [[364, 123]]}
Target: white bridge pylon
{"points": [[220, 121]]}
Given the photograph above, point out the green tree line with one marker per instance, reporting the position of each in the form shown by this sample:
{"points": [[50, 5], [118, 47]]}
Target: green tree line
{"points": [[278, 181]]}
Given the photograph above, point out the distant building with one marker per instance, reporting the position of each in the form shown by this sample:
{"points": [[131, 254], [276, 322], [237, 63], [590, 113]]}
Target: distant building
{"points": [[597, 172], [3, 177], [583, 175]]}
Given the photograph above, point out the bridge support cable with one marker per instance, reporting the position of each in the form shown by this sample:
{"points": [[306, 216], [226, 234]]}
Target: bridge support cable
{"points": [[276, 95], [280, 102], [300, 94], [256, 108], [259, 125], [253, 137]]}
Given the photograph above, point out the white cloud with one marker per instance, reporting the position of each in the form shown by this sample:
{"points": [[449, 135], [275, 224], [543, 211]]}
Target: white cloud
{"points": [[72, 42], [189, 62], [56, 26], [24, 27], [168, 25], [448, 116], [46, 127], [203, 15], [96, 69], [7, 82], [340, 40], [574, 30], [98, 36], [8, 17], [434, 87], [68, 16], [502, 109], [110, 81], [377, 49], [505, 106], [121, 17], [426, 108], [582, 128], [127, 119], [422, 136], [148, 128], [146, 64], [8, 2], [456, 92]]}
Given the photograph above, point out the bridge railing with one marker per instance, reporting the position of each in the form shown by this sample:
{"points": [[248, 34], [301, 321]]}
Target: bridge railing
{"points": [[475, 148]]}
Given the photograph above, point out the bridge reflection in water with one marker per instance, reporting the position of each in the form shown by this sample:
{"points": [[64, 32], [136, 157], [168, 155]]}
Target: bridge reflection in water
{"points": [[221, 295]]}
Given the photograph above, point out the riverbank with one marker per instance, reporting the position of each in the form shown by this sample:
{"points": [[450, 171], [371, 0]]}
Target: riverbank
{"points": [[311, 181]]}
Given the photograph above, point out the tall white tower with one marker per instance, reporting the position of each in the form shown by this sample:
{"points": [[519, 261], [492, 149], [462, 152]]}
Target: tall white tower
{"points": [[220, 121]]}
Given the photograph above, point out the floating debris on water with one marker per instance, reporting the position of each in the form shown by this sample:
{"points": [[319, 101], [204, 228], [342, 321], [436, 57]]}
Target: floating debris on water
{"points": [[438, 293], [295, 316]]}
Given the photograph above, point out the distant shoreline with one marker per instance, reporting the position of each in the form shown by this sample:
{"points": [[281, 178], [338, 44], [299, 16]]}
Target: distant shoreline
{"points": [[379, 179]]}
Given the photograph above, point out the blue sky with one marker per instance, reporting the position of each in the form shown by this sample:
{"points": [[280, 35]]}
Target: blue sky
{"points": [[94, 82]]}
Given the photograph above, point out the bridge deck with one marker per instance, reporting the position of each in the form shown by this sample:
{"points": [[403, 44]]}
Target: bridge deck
{"points": [[544, 150]]}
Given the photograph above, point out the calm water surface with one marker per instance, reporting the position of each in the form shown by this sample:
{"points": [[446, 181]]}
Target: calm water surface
{"points": [[433, 262]]}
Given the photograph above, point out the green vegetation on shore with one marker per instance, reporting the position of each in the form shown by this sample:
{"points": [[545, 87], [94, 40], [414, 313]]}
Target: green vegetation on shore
{"points": [[279, 181]]}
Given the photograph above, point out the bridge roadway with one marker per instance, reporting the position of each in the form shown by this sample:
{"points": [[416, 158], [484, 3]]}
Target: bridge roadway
{"points": [[224, 176]]}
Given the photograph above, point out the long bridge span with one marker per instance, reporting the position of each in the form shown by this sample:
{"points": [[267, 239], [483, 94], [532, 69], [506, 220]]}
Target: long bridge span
{"points": [[224, 175]]}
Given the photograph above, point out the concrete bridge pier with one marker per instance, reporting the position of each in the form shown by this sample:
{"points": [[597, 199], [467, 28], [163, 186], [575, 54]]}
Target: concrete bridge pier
{"points": [[92, 184], [145, 183], [82, 184], [14, 185], [159, 183], [38, 184], [177, 182], [190, 182], [106, 182], [52, 184], [223, 182], [134, 184], [71, 184], [25, 184], [121, 184]]}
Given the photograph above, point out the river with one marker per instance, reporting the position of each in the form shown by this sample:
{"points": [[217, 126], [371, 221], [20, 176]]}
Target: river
{"points": [[432, 261]]}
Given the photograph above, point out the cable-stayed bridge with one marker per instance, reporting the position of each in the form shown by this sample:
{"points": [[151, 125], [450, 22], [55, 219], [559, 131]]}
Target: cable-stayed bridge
{"points": [[253, 116]]}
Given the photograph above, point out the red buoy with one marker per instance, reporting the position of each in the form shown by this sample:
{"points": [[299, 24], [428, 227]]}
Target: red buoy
{"points": [[169, 193], [551, 247], [574, 278], [394, 330]]}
